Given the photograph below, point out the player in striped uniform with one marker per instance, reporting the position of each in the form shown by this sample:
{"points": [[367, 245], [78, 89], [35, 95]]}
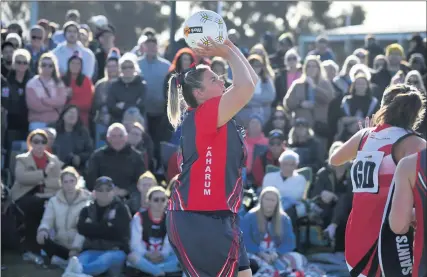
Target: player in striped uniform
{"points": [[371, 248], [411, 188]]}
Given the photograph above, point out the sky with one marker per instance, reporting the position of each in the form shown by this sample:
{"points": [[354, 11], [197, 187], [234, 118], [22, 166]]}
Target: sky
{"points": [[408, 12]]}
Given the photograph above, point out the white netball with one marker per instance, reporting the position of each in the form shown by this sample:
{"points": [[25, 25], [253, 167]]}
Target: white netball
{"points": [[204, 24]]}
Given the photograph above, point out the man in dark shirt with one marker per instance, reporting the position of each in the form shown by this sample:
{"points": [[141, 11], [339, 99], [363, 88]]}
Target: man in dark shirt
{"points": [[7, 49], [117, 160], [105, 225]]}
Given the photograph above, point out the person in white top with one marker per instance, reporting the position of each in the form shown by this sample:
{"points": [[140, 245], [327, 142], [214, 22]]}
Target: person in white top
{"points": [[71, 45], [290, 184]]}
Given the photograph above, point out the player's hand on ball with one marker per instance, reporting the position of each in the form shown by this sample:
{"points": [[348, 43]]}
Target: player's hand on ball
{"points": [[213, 49]]}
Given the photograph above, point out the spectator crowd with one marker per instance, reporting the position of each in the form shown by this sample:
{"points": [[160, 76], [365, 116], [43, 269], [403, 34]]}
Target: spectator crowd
{"points": [[89, 157]]}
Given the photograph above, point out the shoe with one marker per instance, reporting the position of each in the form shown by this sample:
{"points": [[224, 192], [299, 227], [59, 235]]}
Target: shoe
{"points": [[58, 262], [74, 266], [31, 257]]}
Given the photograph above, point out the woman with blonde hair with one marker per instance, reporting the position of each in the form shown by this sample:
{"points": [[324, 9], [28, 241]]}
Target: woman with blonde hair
{"points": [[310, 95], [61, 216], [267, 230], [45, 93]]}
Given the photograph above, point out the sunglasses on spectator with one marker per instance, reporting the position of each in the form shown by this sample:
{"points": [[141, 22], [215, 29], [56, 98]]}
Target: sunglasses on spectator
{"points": [[292, 58], [21, 62], [36, 38], [281, 117], [127, 67], [159, 199], [39, 141], [48, 65], [414, 82], [275, 143], [104, 189]]}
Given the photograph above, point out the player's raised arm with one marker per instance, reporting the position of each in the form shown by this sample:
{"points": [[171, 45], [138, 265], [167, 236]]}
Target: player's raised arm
{"points": [[243, 86]]}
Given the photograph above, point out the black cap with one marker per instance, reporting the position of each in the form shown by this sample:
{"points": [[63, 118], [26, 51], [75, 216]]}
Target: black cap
{"points": [[106, 29], [7, 43], [276, 134], [104, 180]]}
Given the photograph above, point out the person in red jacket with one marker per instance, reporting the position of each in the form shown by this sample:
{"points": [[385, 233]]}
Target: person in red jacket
{"points": [[80, 88]]}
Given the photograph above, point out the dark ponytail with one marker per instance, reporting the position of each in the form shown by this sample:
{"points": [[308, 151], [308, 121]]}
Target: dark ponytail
{"points": [[402, 106]]}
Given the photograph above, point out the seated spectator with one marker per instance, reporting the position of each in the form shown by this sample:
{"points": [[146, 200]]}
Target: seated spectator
{"points": [[379, 63], [305, 144], [79, 87], [150, 249], [13, 97], [276, 146], [128, 90], [105, 225], [418, 63], [45, 93], [73, 144], [60, 218], [331, 184], [362, 54], [130, 116], [141, 141], [254, 137], [116, 160], [65, 50], [279, 121], [37, 175], [290, 184], [355, 107], [264, 95], [36, 47], [15, 39], [138, 201], [309, 97], [267, 230], [287, 75]]}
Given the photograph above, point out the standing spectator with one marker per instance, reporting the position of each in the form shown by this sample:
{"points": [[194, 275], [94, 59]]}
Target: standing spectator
{"points": [[220, 67], [416, 46], [116, 160], [373, 49], [362, 54], [13, 97], [37, 179], [15, 39], [45, 93], [47, 41], [286, 75], [151, 250], [36, 47], [418, 63], [258, 49], [343, 81], [61, 216], [309, 97], [286, 42], [105, 225], [72, 145], [264, 95], [59, 35], [255, 137], [64, 51], [106, 37], [322, 49], [7, 49], [331, 69], [154, 69], [128, 90], [79, 87]]}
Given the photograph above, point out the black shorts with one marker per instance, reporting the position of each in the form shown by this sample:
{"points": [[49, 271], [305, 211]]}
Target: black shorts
{"points": [[207, 245]]}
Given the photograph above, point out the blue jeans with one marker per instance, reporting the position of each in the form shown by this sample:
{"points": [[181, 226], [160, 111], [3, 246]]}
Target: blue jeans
{"points": [[96, 262], [169, 265]]}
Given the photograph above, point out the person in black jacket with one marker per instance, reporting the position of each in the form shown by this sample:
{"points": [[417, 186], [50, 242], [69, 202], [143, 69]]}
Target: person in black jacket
{"points": [[117, 160], [128, 90], [105, 225]]}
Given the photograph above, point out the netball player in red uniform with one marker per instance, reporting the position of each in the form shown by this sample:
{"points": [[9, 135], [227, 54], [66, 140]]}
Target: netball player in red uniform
{"points": [[411, 188], [371, 248], [202, 222]]}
